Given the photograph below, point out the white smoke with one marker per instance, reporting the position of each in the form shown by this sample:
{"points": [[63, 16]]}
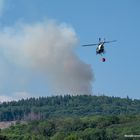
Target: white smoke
{"points": [[48, 48], [15, 96]]}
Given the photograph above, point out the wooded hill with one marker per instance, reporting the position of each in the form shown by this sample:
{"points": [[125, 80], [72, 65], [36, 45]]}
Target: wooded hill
{"points": [[71, 128], [67, 106]]}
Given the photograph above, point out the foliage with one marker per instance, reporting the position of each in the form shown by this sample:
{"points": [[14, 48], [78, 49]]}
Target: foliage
{"points": [[64, 106], [85, 128], [71, 118]]}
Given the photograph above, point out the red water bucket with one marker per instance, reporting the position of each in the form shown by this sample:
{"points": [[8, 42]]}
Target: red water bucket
{"points": [[103, 59]]}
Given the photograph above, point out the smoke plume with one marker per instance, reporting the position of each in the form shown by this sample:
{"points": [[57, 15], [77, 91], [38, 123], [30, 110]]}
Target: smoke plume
{"points": [[48, 48]]}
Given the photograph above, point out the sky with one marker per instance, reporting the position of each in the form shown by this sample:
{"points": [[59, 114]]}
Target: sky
{"points": [[41, 53]]}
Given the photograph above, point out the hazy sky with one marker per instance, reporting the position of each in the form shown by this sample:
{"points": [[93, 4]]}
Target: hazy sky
{"points": [[27, 66]]}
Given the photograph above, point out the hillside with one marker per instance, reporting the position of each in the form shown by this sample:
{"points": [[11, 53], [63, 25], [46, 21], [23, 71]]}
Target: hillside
{"points": [[71, 118], [70, 128], [67, 106]]}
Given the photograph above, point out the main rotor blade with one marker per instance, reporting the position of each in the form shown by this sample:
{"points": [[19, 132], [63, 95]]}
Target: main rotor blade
{"points": [[110, 41], [89, 45]]}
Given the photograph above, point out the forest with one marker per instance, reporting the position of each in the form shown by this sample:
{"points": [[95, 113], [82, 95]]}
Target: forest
{"points": [[76, 128], [67, 106], [71, 118]]}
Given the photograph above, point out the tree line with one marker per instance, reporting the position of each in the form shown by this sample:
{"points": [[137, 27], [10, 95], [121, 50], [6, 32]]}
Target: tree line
{"points": [[67, 106]]}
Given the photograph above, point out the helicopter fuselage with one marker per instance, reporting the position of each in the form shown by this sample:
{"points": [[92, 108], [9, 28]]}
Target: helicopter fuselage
{"points": [[100, 48]]}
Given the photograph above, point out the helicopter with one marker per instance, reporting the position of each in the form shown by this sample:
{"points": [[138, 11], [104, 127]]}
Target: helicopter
{"points": [[100, 47]]}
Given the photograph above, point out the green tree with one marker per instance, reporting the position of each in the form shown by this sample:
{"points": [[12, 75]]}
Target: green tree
{"points": [[58, 136], [72, 137]]}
